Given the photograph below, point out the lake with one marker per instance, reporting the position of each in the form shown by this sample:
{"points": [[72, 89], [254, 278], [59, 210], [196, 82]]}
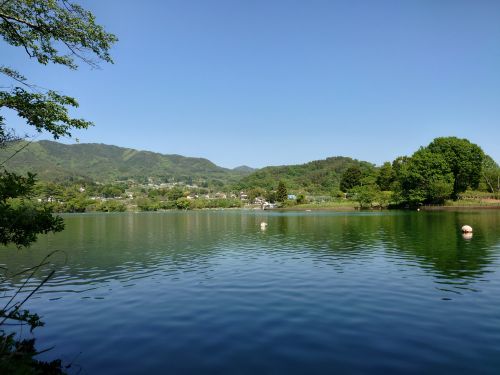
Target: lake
{"points": [[316, 292]]}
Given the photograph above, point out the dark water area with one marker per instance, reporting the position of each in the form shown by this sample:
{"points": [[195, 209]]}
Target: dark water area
{"points": [[316, 292]]}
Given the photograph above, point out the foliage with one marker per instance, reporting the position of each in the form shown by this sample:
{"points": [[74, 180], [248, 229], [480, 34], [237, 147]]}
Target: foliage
{"points": [[463, 158], [111, 191], [111, 205], [491, 175], [442, 170], [315, 177], [42, 28], [16, 357], [281, 193], [365, 195], [255, 193], [270, 196], [214, 203], [175, 193], [145, 204], [57, 162], [183, 203], [350, 178], [19, 222], [385, 177], [425, 177], [301, 199]]}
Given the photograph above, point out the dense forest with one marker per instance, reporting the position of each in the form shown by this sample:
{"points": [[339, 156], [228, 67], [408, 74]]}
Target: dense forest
{"points": [[96, 177], [57, 162]]}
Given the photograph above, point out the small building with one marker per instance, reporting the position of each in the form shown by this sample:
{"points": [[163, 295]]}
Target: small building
{"points": [[292, 196]]}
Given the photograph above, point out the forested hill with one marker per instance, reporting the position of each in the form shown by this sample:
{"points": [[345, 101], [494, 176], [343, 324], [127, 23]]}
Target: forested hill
{"points": [[314, 177], [55, 161]]}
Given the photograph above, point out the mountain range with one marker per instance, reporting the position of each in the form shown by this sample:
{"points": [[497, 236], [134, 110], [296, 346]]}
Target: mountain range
{"points": [[55, 161], [58, 162]]}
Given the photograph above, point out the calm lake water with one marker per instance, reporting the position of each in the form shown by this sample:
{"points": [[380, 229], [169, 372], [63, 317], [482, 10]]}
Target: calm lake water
{"points": [[210, 292]]}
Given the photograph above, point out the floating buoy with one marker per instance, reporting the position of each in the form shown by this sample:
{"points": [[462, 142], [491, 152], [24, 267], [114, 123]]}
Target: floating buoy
{"points": [[466, 229], [263, 225], [467, 235]]}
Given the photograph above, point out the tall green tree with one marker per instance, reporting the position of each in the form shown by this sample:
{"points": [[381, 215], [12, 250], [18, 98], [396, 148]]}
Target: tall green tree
{"points": [[491, 175], [49, 31], [281, 194], [464, 159], [425, 177], [385, 177], [365, 195], [351, 178]]}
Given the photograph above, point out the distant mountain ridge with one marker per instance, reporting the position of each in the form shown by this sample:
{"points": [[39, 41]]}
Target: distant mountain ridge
{"points": [[244, 168], [315, 176], [55, 161]]}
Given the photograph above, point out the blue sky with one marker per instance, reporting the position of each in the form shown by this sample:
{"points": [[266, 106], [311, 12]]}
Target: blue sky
{"points": [[262, 82]]}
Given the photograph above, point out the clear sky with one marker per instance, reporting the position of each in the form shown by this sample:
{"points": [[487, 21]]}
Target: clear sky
{"points": [[263, 82]]}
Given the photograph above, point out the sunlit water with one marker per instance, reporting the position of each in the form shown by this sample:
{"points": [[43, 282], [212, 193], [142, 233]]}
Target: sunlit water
{"points": [[210, 292]]}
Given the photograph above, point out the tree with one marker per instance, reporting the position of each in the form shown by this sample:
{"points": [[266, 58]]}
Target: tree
{"points": [[270, 196], [397, 164], [385, 177], [365, 195], [42, 28], [50, 31], [281, 194], [255, 193], [175, 193], [464, 160], [425, 177], [301, 199], [350, 178], [20, 223], [491, 175], [111, 191]]}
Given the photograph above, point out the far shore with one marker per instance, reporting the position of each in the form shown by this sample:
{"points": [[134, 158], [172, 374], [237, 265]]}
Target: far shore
{"points": [[460, 208], [338, 206]]}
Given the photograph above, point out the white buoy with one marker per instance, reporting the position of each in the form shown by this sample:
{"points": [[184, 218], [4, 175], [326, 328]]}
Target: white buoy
{"points": [[466, 229], [263, 225], [467, 235]]}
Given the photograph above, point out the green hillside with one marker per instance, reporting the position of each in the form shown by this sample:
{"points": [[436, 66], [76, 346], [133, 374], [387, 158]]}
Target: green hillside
{"points": [[313, 177], [53, 161]]}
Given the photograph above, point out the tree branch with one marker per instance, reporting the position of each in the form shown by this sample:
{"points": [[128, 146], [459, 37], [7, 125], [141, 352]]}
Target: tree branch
{"points": [[7, 17], [19, 37]]}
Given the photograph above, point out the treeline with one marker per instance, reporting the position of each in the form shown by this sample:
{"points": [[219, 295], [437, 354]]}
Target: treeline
{"points": [[57, 162], [443, 170], [447, 169], [119, 197], [317, 177]]}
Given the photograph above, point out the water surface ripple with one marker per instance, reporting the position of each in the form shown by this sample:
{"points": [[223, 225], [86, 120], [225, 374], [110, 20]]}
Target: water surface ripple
{"points": [[210, 292]]}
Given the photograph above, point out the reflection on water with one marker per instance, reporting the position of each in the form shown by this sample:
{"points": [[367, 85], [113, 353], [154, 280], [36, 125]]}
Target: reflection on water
{"points": [[186, 292]]}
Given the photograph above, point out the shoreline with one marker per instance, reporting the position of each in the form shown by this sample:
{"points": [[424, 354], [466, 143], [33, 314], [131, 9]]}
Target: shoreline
{"points": [[461, 208], [308, 209]]}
